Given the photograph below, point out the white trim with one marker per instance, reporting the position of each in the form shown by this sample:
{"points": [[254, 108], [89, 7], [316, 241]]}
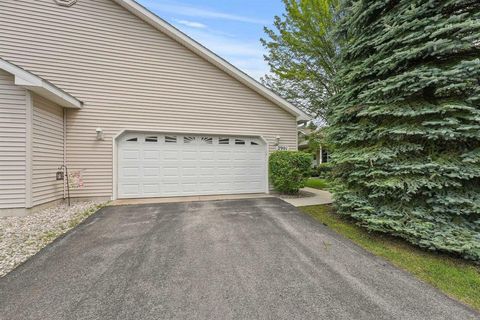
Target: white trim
{"points": [[160, 24], [28, 149], [267, 169], [40, 86], [230, 134]]}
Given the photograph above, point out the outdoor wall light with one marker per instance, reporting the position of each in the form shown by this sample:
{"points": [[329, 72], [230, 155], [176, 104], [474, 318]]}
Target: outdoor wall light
{"points": [[277, 140], [99, 134]]}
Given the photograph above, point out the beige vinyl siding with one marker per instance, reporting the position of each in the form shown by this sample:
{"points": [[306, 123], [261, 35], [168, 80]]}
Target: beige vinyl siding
{"points": [[47, 150], [130, 76], [12, 143]]}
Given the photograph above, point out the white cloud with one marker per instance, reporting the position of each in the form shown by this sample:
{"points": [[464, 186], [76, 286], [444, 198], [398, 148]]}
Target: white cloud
{"points": [[191, 24], [189, 11]]}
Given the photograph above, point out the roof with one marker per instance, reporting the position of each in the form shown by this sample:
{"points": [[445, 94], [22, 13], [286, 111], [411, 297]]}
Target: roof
{"points": [[160, 24], [40, 86]]}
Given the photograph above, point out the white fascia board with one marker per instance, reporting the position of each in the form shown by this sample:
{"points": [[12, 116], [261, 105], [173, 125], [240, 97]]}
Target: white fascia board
{"points": [[41, 87], [160, 24]]}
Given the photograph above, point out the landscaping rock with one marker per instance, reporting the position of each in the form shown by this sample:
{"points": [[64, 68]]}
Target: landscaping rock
{"points": [[22, 237]]}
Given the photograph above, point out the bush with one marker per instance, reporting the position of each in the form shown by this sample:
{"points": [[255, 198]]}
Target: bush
{"points": [[324, 170], [289, 170]]}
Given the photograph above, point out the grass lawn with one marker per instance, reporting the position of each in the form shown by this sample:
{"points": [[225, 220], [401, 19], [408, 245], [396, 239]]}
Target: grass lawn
{"points": [[317, 183], [457, 278]]}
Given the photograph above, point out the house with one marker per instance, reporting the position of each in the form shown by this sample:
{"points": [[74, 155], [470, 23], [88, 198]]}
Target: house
{"points": [[321, 154], [129, 105]]}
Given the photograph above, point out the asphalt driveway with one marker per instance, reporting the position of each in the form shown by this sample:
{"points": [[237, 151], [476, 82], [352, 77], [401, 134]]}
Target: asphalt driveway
{"points": [[236, 259]]}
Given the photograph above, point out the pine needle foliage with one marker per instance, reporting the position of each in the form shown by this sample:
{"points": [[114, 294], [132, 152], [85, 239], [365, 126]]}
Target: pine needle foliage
{"points": [[405, 124]]}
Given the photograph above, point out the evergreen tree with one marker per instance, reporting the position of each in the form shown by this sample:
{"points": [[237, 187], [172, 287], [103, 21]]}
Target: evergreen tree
{"points": [[406, 122], [302, 54]]}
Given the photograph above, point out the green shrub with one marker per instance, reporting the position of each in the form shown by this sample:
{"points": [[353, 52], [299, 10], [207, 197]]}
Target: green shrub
{"points": [[324, 170], [289, 170]]}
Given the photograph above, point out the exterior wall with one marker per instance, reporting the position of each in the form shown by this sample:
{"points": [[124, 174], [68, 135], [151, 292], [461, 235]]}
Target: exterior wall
{"points": [[47, 150], [130, 76], [13, 143]]}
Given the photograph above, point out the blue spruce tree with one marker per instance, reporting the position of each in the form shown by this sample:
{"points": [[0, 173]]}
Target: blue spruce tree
{"points": [[406, 123]]}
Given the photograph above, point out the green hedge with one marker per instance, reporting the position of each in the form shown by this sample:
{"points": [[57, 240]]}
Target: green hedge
{"points": [[289, 170]]}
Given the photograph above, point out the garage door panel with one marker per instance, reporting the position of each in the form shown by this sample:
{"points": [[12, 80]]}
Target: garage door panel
{"points": [[188, 186], [130, 155], [207, 187], [170, 154], [151, 189], [169, 172], [190, 155], [223, 155], [130, 189], [206, 171], [151, 172], [172, 165], [189, 172], [151, 155], [130, 172], [170, 187]]}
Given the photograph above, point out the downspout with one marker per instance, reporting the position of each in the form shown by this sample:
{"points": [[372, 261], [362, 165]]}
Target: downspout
{"points": [[29, 151], [64, 150]]}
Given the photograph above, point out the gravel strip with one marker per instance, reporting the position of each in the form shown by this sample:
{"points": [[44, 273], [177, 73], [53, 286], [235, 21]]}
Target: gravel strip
{"points": [[22, 237]]}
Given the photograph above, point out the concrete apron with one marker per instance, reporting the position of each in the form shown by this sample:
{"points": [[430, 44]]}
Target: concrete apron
{"points": [[121, 202], [320, 197]]}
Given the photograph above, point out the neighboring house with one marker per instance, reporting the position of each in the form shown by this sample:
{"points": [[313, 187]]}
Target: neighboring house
{"points": [[132, 106], [321, 155]]}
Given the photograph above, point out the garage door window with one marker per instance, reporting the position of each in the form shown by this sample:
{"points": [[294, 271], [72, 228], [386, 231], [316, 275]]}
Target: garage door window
{"points": [[151, 139], [239, 141], [134, 139], [224, 141], [170, 139], [188, 140], [206, 140]]}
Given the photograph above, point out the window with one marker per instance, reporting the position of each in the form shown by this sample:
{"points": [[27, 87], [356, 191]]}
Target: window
{"points": [[132, 139], [239, 141], [170, 139], [253, 143], [188, 140], [325, 156], [206, 140], [223, 141], [151, 139]]}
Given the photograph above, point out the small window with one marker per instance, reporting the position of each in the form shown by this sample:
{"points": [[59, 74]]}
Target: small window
{"points": [[239, 141], [253, 143], [170, 139], [206, 140], [132, 139], [223, 141], [188, 140], [151, 139]]}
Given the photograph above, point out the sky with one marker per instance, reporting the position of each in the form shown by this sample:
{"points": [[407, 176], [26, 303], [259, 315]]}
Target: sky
{"points": [[230, 28]]}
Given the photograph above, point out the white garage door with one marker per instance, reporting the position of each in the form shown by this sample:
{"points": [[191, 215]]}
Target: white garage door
{"points": [[162, 165]]}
